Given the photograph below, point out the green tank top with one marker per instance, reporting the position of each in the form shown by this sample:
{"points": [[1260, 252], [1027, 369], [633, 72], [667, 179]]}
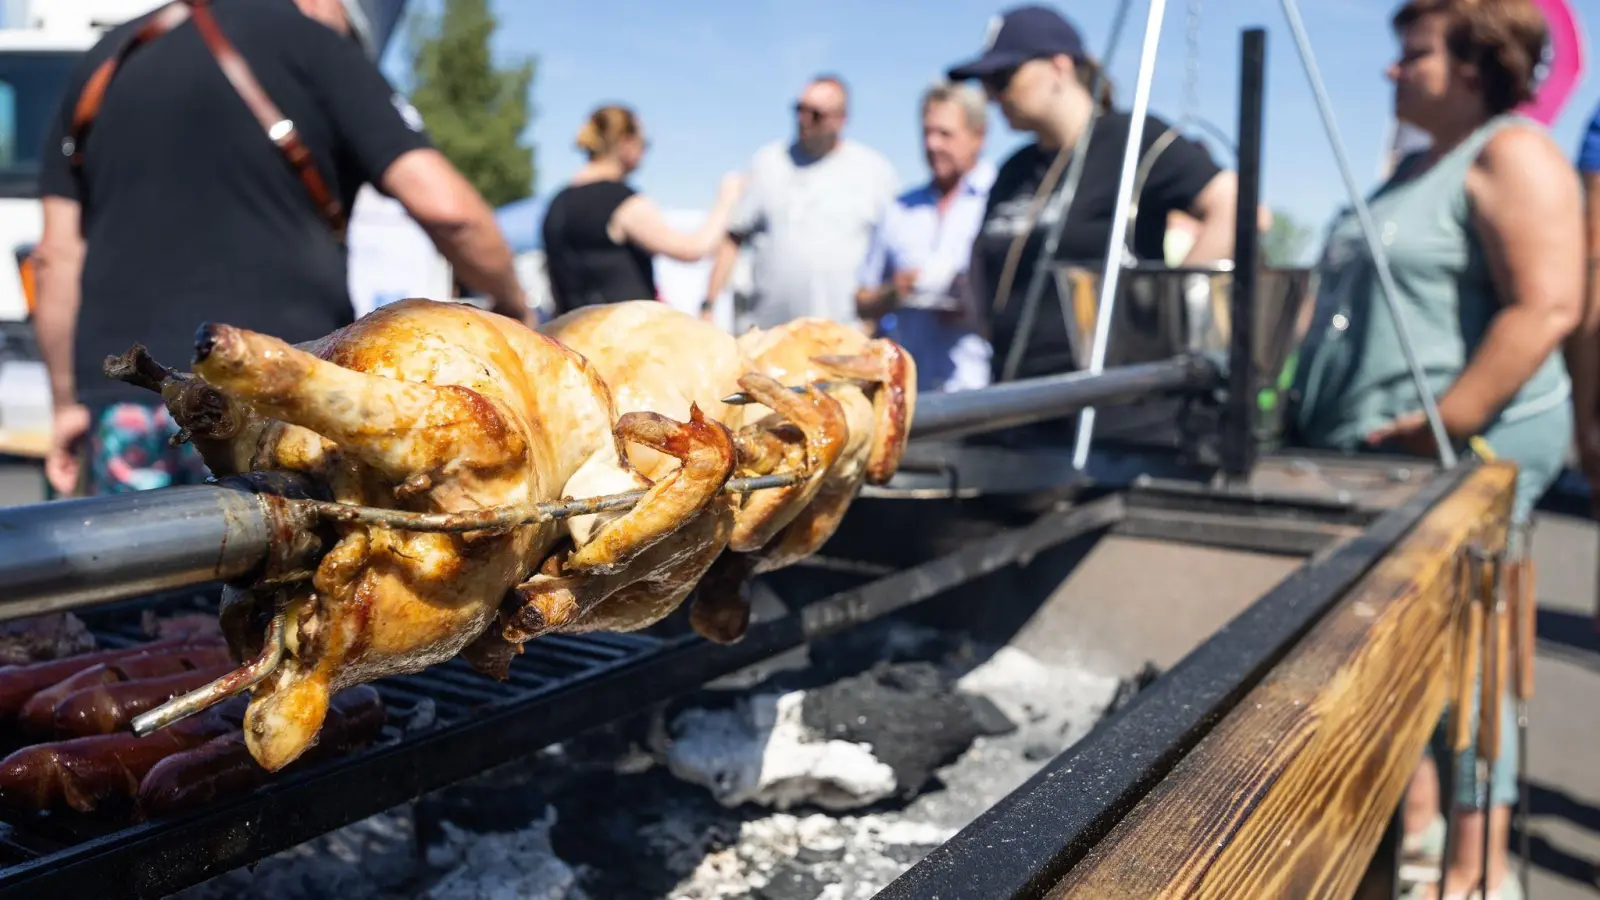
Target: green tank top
{"points": [[1352, 375]]}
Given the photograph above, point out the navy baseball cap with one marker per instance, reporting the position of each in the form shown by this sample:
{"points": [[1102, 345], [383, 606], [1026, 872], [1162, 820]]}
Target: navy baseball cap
{"points": [[1019, 35]]}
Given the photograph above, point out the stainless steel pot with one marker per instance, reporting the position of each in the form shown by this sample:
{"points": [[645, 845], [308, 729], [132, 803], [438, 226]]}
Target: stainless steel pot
{"points": [[1162, 312]]}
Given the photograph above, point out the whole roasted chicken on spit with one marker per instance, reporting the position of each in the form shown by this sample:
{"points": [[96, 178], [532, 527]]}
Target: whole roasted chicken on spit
{"points": [[439, 408], [847, 426]]}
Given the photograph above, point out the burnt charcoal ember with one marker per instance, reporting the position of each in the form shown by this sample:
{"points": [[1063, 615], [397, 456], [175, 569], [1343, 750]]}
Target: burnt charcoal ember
{"points": [[909, 713], [39, 638], [637, 837], [480, 809], [1128, 688]]}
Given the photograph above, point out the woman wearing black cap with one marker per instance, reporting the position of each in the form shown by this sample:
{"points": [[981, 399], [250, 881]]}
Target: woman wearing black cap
{"points": [[1035, 67]]}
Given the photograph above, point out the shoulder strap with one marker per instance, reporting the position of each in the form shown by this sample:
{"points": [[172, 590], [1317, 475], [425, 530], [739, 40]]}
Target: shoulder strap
{"points": [[279, 128]]}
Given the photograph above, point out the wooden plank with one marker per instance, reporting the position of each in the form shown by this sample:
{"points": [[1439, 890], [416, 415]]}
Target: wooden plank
{"points": [[1291, 792], [29, 444]]}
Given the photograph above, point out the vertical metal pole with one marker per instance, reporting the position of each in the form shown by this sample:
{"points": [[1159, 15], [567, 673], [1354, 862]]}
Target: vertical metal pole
{"points": [[1239, 421], [1391, 293], [1114, 249]]}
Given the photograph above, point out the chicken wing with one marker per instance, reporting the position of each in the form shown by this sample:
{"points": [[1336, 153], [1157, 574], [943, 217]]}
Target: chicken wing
{"points": [[656, 358]]}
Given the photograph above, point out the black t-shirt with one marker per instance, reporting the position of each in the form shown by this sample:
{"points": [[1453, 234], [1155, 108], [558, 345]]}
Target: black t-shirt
{"points": [[1176, 178], [584, 264], [189, 211]]}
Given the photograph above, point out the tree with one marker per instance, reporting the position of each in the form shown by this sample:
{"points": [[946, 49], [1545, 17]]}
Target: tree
{"points": [[475, 112], [1285, 242]]}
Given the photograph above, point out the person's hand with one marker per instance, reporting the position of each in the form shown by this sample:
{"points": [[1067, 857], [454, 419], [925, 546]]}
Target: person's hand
{"points": [[708, 310], [63, 461], [905, 282], [1409, 432]]}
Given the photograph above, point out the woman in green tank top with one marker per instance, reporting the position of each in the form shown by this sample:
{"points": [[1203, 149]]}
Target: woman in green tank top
{"points": [[1483, 232]]}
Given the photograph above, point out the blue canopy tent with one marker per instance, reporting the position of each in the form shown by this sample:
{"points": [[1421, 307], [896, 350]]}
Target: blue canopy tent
{"points": [[520, 221]]}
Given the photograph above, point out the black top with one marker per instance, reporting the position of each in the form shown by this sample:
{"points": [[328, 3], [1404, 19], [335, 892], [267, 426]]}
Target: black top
{"points": [[584, 264], [190, 213], [1177, 176]]}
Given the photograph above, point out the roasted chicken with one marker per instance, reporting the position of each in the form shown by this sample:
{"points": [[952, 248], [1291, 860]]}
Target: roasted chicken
{"points": [[660, 360], [432, 407]]}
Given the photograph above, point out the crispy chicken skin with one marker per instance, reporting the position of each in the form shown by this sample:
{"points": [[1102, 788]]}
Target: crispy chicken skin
{"points": [[431, 407], [658, 359]]}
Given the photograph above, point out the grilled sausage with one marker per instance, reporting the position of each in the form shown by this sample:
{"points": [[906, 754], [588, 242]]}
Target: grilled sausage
{"points": [[18, 683], [37, 719], [223, 766], [86, 774], [104, 708]]}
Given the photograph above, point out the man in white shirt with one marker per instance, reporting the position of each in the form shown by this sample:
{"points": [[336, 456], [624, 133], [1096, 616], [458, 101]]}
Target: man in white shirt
{"points": [[808, 213], [914, 278]]}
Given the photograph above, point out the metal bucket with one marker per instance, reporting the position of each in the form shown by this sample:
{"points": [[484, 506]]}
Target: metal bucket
{"points": [[1162, 311]]}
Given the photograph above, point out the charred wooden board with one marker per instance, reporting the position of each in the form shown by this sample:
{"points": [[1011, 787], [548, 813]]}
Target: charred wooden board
{"points": [[1290, 794]]}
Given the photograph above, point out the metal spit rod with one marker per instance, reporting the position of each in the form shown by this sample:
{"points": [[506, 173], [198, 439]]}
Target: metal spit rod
{"points": [[70, 554]]}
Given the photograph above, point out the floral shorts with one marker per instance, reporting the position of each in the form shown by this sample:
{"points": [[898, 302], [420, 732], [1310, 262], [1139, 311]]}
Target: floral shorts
{"points": [[129, 451]]}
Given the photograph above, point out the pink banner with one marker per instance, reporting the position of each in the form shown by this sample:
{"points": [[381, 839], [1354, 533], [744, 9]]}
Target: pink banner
{"points": [[1565, 64]]}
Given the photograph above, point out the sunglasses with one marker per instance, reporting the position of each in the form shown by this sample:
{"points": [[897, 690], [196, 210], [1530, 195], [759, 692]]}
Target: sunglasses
{"points": [[810, 112]]}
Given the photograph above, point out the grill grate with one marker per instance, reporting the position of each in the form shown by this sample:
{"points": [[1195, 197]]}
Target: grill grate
{"points": [[437, 698]]}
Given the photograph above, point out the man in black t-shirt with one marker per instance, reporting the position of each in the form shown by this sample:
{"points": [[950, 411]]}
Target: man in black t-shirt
{"points": [[173, 194]]}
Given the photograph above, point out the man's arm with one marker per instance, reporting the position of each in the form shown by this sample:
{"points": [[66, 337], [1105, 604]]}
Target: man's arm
{"points": [[721, 269], [461, 225], [746, 219], [874, 291], [58, 267]]}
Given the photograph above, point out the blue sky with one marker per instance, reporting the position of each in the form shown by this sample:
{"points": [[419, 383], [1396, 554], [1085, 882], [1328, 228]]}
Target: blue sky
{"points": [[715, 80]]}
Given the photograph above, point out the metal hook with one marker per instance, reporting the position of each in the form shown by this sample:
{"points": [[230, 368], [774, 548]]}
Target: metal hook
{"points": [[236, 682], [741, 398]]}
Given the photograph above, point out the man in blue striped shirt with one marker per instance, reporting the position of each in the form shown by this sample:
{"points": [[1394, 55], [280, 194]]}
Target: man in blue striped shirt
{"points": [[913, 280]]}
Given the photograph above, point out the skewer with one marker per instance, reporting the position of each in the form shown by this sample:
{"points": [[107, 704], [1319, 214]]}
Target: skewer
{"points": [[500, 517], [741, 398], [252, 673], [239, 680]]}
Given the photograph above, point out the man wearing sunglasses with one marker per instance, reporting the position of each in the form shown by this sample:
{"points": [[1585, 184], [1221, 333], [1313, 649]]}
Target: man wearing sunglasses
{"points": [[808, 214]]}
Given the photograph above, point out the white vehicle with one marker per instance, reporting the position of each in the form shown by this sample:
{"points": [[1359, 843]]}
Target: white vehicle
{"points": [[40, 43]]}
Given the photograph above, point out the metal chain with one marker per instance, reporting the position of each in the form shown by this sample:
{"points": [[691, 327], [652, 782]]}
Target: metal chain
{"points": [[1191, 71]]}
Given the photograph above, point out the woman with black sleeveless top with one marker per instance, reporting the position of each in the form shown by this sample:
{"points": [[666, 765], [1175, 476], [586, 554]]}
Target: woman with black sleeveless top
{"points": [[600, 234]]}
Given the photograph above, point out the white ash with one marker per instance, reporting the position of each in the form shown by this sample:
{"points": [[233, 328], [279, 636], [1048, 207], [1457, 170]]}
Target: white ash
{"points": [[788, 857], [759, 751], [518, 865]]}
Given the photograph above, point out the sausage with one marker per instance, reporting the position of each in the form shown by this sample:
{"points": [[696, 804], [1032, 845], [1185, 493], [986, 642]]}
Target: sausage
{"points": [[105, 708], [18, 683], [223, 766], [85, 774], [37, 719], [181, 625]]}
